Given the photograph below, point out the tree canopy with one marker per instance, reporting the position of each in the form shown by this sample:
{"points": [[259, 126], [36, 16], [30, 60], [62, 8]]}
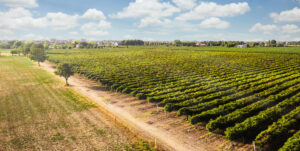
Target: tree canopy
{"points": [[26, 48], [37, 53], [64, 70]]}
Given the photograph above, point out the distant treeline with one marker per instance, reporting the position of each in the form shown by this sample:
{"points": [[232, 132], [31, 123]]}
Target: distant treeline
{"points": [[16, 44], [133, 42]]}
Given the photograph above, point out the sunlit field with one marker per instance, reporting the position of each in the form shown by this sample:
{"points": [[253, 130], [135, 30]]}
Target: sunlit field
{"points": [[38, 113], [247, 94]]}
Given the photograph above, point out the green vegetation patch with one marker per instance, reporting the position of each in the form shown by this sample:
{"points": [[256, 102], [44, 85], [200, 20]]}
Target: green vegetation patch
{"points": [[238, 91], [37, 111]]}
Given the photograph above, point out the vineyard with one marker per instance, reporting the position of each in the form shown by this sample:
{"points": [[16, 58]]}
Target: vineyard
{"points": [[247, 96]]}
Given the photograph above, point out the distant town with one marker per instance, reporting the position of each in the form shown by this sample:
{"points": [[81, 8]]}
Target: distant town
{"points": [[83, 43]]}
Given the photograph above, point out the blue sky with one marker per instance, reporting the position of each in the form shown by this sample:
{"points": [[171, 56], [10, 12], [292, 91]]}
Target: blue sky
{"points": [[165, 20]]}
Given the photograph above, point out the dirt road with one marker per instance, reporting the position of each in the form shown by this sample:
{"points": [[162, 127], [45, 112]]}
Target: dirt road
{"points": [[148, 121]]}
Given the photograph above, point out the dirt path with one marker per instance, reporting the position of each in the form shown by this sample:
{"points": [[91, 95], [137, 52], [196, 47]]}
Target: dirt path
{"points": [[150, 122], [5, 54]]}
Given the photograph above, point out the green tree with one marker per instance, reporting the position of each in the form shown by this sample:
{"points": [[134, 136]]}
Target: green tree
{"points": [[37, 53], [272, 43], [64, 70], [13, 52], [280, 44], [26, 48], [17, 44], [46, 45], [5, 45], [177, 42], [83, 44]]}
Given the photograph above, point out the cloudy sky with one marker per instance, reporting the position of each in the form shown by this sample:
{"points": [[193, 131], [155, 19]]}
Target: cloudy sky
{"points": [[249, 20]]}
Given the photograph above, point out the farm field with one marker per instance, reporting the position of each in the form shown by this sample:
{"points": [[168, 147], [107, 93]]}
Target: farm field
{"points": [[38, 113], [246, 94], [4, 52], [281, 50]]}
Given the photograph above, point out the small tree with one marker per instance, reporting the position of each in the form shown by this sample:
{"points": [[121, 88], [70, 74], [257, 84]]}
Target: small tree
{"points": [[17, 44], [64, 70], [177, 43], [13, 52], [26, 48], [37, 53]]}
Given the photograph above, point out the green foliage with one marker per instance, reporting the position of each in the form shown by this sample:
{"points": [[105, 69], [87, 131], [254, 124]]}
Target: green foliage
{"points": [[292, 144], [253, 125], [240, 99], [17, 44], [177, 43], [26, 48], [5, 45], [239, 115], [37, 53], [280, 130], [139, 146], [226, 87], [64, 70], [133, 42], [13, 52], [57, 137]]}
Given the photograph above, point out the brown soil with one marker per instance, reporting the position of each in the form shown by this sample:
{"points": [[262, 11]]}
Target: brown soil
{"points": [[150, 122]]}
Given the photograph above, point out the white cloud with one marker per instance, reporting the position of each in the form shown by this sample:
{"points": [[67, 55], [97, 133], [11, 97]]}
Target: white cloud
{"points": [[284, 37], [6, 32], [19, 19], [95, 32], [20, 3], [104, 24], [185, 4], [211, 9], [290, 29], [296, 39], [214, 23], [270, 29], [150, 11], [73, 33], [33, 37], [266, 29], [61, 21], [95, 29], [147, 8], [94, 14], [128, 37], [147, 39], [153, 22], [287, 16]]}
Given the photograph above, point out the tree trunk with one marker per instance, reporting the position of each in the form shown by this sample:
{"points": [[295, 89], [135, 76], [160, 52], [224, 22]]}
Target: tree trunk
{"points": [[67, 84]]}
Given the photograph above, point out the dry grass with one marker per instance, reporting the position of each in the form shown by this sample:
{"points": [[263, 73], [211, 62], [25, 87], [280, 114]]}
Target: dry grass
{"points": [[38, 113]]}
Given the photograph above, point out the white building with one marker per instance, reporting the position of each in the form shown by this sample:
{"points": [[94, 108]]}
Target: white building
{"points": [[115, 44], [242, 46]]}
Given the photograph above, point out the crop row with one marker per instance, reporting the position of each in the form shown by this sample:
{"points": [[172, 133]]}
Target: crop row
{"points": [[211, 92], [280, 130], [255, 124], [216, 82], [239, 99], [292, 144], [240, 114]]}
